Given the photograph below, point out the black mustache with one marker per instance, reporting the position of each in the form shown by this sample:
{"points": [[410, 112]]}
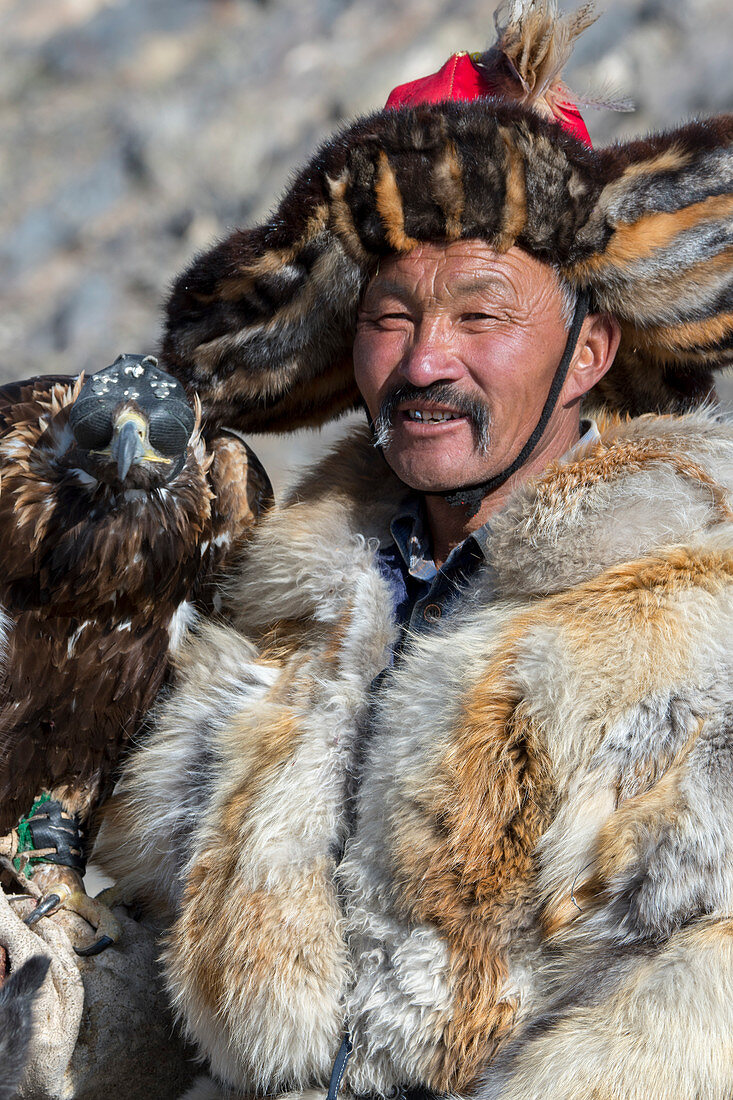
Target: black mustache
{"points": [[440, 393]]}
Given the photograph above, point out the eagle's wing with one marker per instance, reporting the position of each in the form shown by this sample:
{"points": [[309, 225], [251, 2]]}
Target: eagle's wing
{"points": [[18, 399], [242, 494], [101, 586]]}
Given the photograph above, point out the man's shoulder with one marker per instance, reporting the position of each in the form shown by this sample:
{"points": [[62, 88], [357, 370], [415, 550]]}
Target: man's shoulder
{"points": [[314, 549], [642, 484], [645, 484], [352, 473]]}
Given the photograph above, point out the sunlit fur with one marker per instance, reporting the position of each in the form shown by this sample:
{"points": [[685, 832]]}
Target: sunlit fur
{"points": [[537, 897]]}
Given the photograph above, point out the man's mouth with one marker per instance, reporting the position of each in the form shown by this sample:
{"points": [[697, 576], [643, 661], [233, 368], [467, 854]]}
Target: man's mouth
{"points": [[430, 416], [416, 410]]}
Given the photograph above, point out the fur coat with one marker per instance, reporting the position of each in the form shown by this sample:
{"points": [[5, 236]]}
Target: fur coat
{"points": [[509, 871]]}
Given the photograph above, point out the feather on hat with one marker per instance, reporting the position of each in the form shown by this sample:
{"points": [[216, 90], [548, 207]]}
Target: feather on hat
{"points": [[261, 326]]}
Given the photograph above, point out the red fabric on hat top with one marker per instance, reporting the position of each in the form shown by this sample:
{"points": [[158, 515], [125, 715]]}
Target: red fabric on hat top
{"points": [[459, 79]]}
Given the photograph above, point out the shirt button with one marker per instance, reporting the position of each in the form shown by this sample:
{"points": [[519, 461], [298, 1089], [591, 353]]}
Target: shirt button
{"points": [[432, 613]]}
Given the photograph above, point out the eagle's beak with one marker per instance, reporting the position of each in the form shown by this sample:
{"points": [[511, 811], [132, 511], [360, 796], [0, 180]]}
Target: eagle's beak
{"points": [[128, 444]]}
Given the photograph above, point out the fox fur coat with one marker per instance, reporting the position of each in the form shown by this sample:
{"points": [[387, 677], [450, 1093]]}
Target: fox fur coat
{"points": [[509, 871]]}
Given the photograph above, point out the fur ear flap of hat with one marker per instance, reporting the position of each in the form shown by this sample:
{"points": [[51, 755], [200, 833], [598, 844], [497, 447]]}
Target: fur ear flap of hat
{"points": [[261, 326]]}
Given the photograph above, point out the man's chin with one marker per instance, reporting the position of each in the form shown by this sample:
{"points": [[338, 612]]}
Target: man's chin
{"points": [[428, 481]]}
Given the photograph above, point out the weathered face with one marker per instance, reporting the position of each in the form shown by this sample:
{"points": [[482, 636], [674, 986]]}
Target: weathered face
{"points": [[468, 341]]}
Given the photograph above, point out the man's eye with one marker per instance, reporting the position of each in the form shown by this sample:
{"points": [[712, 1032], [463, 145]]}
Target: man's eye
{"points": [[377, 319], [478, 316]]}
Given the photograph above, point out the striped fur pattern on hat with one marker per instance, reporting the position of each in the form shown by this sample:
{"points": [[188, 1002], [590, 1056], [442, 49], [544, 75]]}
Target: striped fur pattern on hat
{"points": [[261, 326]]}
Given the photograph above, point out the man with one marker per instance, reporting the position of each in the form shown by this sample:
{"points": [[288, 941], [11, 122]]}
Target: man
{"points": [[462, 322], [450, 812]]}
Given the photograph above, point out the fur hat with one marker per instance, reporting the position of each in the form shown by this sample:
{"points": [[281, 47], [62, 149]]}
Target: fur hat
{"points": [[262, 325]]}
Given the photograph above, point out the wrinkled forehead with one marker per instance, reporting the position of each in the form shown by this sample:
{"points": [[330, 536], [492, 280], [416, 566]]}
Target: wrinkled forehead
{"points": [[458, 269]]}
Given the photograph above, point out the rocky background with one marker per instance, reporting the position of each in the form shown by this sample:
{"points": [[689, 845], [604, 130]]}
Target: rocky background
{"points": [[134, 132]]}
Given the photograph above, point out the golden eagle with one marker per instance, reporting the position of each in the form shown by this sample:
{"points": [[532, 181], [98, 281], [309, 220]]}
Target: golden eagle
{"points": [[117, 518]]}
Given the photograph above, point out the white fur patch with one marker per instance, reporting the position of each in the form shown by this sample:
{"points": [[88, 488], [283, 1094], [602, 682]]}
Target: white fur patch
{"points": [[603, 710], [184, 617]]}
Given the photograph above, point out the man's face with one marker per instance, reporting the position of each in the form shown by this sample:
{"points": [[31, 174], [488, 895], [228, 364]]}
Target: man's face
{"points": [[468, 340]]}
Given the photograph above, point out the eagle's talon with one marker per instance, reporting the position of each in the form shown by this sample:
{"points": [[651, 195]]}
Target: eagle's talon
{"points": [[48, 905], [95, 948], [101, 918], [64, 889]]}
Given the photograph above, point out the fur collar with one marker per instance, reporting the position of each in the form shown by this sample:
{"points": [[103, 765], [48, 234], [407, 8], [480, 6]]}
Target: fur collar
{"points": [[650, 482]]}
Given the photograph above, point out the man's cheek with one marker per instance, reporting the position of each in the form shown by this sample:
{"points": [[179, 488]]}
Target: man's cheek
{"points": [[366, 378]]}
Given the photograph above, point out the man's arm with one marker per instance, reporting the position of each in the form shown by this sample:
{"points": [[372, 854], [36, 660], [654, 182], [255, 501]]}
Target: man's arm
{"points": [[639, 983], [151, 822]]}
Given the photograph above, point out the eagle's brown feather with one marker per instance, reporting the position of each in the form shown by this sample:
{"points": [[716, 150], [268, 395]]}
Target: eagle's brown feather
{"points": [[96, 585]]}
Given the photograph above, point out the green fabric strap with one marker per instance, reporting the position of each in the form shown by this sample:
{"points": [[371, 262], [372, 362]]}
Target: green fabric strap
{"points": [[25, 837]]}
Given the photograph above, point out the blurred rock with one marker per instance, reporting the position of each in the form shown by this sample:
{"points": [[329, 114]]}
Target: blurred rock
{"points": [[134, 132]]}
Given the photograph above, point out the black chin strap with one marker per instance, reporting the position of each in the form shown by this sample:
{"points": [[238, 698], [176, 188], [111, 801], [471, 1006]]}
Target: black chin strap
{"points": [[471, 496]]}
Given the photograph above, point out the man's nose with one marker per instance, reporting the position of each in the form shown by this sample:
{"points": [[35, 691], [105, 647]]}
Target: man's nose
{"points": [[431, 356]]}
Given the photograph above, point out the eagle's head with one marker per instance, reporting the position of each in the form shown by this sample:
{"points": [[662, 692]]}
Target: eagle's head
{"points": [[132, 424]]}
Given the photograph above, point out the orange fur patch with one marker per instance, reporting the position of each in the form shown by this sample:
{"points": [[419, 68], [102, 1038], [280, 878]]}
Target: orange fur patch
{"points": [[696, 339], [207, 914], [291, 639], [634, 241], [672, 159], [248, 946], [635, 597], [603, 463], [276, 743], [515, 200], [389, 206], [464, 864]]}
